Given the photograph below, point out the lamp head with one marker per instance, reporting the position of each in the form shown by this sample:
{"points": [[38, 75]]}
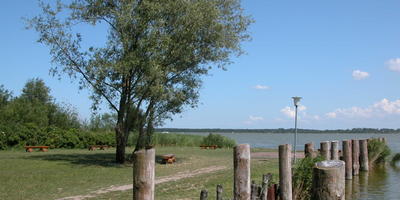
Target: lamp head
{"points": [[296, 100]]}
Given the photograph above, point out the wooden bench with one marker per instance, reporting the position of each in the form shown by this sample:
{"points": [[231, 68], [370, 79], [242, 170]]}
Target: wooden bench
{"points": [[208, 146], [41, 148], [168, 158], [101, 147]]}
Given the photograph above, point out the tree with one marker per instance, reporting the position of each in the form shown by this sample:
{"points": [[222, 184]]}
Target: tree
{"points": [[35, 90], [5, 96], [155, 55]]}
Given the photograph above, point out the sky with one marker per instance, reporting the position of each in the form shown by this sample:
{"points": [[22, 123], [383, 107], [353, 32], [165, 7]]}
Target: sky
{"points": [[341, 57]]}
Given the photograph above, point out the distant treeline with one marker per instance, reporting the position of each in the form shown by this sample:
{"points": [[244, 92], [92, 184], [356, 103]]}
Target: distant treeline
{"points": [[279, 130]]}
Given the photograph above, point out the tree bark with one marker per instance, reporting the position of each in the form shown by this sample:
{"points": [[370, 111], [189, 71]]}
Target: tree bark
{"points": [[285, 171], [144, 174], [328, 180], [121, 144], [241, 163]]}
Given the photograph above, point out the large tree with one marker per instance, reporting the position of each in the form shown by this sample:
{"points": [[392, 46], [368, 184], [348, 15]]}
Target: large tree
{"points": [[155, 55]]}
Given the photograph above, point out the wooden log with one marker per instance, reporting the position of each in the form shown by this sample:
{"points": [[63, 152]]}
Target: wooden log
{"points": [[219, 192], [285, 172], [264, 188], [203, 195], [309, 150], [335, 150], [326, 150], [241, 173], [328, 180], [143, 174], [272, 193], [356, 157], [347, 158], [364, 155]]}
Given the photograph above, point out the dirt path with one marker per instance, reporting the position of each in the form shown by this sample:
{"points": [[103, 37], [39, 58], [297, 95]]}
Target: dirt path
{"points": [[164, 179], [261, 155]]}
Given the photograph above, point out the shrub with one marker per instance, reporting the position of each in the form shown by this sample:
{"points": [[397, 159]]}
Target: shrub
{"points": [[219, 140], [395, 159], [302, 177], [378, 151]]}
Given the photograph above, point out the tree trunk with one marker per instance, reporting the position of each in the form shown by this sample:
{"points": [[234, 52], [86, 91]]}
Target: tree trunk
{"points": [[121, 144], [328, 180]]}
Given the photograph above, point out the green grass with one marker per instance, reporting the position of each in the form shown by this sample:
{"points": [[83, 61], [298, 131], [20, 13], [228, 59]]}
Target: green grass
{"points": [[62, 173]]}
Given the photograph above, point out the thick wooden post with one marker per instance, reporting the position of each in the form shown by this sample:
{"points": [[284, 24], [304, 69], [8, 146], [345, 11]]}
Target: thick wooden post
{"points": [[326, 150], [347, 158], [356, 157], [309, 150], [203, 195], [335, 150], [219, 192], [328, 180], [364, 155], [143, 174], [241, 163], [285, 172], [264, 189]]}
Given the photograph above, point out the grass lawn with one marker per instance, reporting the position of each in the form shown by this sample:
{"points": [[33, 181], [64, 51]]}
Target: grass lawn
{"points": [[62, 173]]}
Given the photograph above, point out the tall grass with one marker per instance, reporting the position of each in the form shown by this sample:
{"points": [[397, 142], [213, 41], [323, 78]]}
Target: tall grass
{"points": [[302, 177], [378, 152]]}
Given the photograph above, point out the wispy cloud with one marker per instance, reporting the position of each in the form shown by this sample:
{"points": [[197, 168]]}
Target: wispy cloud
{"points": [[253, 119], [393, 64], [360, 75], [382, 108], [290, 112], [262, 87]]}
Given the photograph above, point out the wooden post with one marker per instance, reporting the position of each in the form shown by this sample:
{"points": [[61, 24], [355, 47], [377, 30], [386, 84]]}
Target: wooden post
{"points": [[203, 195], [143, 174], [241, 163], [309, 150], [285, 171], [326, 150], [254, 191], [219, 192], [364, 155], [335, 150], [347, 158], [356, 157], [328, 180], [264, 188]]}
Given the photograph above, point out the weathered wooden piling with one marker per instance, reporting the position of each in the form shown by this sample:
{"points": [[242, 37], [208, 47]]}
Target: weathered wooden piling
{"points": [[347, 158], [329, 180], [335, 150], [364, 155], [203, 195], [309, 150], [326, 150], [241, 163], [264, 187], [220, 190], [143, 174], [356, 157], [254, 191], [285, 172]]}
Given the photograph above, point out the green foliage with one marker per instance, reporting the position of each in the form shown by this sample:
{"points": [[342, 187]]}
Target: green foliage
{"points": [[219, 140], [302, 177], [395, 159], [378, 151]]}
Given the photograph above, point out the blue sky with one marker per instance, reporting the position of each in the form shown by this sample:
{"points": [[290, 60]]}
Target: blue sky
{"points": [[342, 57]]}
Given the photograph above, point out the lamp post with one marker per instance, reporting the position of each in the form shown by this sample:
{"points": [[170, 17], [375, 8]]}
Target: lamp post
{"points": [[296, 101]]}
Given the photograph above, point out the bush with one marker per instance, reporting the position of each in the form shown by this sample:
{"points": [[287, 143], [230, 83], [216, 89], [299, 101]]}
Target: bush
{"points": [[395, 159], [378, 151], [219, 140], [302, 177]]}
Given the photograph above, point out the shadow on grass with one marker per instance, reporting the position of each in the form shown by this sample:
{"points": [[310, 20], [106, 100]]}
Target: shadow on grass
{"points": [[96, 159]]}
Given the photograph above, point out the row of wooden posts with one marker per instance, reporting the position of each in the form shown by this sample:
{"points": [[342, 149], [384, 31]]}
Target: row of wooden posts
{"points": [[328, 176]]}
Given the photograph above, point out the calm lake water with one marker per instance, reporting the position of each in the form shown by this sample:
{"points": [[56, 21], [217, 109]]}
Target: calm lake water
{"points": [[382, 183]]}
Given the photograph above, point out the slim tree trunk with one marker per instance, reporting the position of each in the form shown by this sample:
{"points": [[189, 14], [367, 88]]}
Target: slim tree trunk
{"points": [[121, 144]]}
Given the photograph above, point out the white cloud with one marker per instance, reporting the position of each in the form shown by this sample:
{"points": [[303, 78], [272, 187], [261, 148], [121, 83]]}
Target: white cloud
{"points": [[253, 119], [290, 112], [380, 109], [393, 64], [360, 75], [262, 87]]}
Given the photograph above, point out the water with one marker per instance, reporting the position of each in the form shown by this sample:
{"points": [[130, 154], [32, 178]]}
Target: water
{"points": [[382, 183]]}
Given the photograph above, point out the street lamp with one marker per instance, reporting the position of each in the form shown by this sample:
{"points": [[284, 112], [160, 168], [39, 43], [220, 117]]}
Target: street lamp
{"points": [[296, 101]]}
